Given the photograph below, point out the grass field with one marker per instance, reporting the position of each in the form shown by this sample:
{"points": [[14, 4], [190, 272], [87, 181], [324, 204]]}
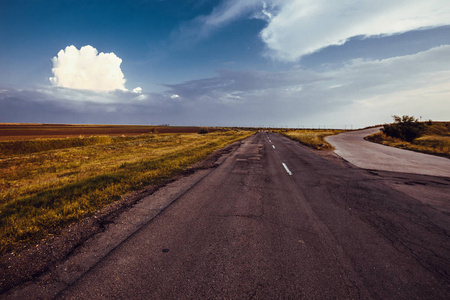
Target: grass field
{"points": [[435, 140], [311, 137], [46, 184]]}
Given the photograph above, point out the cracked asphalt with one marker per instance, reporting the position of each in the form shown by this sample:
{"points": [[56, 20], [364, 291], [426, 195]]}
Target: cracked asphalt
{"points": [[249, 229]]}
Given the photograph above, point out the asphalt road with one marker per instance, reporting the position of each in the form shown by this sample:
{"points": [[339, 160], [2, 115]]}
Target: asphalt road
{"points": [[364, 154], [276, 220]]}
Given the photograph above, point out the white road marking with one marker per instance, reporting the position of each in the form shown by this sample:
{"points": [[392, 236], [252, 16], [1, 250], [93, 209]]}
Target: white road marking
{"points": [[270, 141], [273, 146], [287, 169]]}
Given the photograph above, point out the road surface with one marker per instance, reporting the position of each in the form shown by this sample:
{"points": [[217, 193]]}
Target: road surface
{"points": [[367, 155], [275, 220]]}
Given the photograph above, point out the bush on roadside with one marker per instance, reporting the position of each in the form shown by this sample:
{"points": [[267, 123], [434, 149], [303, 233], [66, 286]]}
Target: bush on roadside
{"points": [[406, 128], [432, 137]]}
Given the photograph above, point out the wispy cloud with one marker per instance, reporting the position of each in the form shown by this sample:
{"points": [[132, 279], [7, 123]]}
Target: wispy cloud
{"points": [[299, 27], [364, 92], [304, 26], [204, 25]]}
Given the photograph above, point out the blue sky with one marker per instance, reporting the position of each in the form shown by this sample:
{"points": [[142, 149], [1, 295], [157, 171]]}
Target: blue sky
{"points": [[298, 63]]}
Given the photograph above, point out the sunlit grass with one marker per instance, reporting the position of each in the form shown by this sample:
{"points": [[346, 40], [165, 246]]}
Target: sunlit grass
{"points": [[430, 144], [44, 189], [311, 138]]}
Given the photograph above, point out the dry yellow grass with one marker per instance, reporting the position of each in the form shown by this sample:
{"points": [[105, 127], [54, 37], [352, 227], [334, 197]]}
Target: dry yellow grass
{"points": [[430, 144], [312, 138], [41, 191]]}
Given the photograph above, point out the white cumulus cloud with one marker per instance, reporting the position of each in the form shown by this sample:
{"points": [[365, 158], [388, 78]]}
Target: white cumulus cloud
{"points": [[137, 90], [305, 26], [86, 69]]}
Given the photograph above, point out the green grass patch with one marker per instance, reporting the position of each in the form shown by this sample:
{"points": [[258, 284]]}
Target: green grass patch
{"points": [[311, 138], [45, 190]]}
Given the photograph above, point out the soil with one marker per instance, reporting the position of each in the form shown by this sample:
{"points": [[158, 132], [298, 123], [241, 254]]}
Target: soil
{"points": [[14, 132]]}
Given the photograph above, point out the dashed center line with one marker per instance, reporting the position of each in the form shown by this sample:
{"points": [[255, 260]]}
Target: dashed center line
{"points": [[273, 146], [287, 169]]}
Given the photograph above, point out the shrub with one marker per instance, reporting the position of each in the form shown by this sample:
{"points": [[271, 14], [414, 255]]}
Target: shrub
{"points": [[203, 131], [405, 128]]}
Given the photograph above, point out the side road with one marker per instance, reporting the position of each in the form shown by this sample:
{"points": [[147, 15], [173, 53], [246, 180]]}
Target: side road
{"points": [[367, 155]]}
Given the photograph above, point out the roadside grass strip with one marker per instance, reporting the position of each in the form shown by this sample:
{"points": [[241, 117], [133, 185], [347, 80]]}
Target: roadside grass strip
{"points": [[311, 138], [430, 144], [41, 192]]}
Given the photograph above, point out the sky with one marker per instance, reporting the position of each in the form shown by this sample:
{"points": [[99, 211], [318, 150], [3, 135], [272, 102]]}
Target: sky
{"points": [[273, 63]]}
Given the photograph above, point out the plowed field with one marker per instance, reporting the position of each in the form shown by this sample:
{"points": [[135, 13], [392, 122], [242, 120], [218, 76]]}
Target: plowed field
{"points": [[14, 132]]}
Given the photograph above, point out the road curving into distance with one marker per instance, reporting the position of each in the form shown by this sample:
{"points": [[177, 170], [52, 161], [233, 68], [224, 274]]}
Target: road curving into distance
{"points": [[273, 221], [367, 155]]}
